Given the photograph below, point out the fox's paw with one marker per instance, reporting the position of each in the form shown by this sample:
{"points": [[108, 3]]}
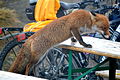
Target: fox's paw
{"points": [[73, 40], [88, 46]]}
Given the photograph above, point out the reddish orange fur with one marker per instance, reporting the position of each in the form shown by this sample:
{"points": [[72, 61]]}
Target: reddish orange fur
{"points": [[54, 33]]}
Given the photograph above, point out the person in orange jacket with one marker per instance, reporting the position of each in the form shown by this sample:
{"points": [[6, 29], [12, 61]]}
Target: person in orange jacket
{"points": [[45, 13]]}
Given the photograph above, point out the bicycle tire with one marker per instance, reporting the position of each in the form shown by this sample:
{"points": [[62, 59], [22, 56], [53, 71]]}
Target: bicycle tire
{"points": [[54, 59], [7, 48]]}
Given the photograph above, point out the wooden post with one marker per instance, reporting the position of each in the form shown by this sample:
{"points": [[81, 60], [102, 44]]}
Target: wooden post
{"points": [[112, 70]]}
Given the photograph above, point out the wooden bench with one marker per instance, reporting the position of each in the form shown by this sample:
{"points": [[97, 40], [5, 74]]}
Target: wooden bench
{"points": [[100, 47], [13, 76]]}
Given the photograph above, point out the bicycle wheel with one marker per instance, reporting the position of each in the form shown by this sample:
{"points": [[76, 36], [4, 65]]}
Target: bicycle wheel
{"points": [[8, 54], [97, 58], [53, 65]]}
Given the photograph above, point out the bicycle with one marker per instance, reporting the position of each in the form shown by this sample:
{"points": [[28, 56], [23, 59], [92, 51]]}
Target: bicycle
{"points": [[15, 42], [65, 8]]}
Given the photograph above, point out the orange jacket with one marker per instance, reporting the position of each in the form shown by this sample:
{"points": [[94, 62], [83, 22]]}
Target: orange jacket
{"points": [[45, 12]]}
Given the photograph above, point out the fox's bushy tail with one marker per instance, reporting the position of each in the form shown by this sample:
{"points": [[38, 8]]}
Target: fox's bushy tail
{"points": [[21, 61]]}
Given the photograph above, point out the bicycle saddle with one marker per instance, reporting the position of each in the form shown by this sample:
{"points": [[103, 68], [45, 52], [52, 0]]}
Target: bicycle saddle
{"points": [[67, 6]]}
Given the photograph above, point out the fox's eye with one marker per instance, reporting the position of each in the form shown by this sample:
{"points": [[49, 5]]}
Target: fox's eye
{"points": [[103, 27]]}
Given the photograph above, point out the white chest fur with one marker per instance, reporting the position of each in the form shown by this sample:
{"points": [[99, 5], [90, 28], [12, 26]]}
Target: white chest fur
{"points": [[87, 29]]}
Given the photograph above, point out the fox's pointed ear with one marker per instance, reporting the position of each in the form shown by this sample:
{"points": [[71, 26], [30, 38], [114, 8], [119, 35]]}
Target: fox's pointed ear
{"points": [[94, 14], [94, 17]]}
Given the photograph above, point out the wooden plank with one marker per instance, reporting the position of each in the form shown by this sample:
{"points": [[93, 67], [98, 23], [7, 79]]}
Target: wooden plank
{"points": [[100, 47], [13, 76], [106, 74]]}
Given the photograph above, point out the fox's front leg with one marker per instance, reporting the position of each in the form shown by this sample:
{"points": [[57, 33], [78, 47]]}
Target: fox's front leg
{"points": [[77, 35]]}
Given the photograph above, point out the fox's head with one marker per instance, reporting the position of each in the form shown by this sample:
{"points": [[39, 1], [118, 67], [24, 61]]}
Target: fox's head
{"points": [[102, 23]]}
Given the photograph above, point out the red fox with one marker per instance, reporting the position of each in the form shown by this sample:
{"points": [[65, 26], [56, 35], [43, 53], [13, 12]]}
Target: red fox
{"points": [[57, 31]]}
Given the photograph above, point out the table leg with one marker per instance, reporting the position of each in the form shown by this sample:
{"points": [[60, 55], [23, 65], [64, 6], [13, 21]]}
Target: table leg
{"points": [[112, 70], [70, 66]]}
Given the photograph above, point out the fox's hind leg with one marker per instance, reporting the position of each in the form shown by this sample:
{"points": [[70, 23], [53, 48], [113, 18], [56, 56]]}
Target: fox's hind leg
{"points": [[31, 63]]}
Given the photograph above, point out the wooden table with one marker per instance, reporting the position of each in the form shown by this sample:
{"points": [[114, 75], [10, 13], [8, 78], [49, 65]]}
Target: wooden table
{"points": [[100, 47]]}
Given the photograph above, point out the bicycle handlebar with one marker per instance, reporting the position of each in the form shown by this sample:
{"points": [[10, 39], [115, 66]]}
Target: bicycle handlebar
{"points": [[105, 8], [84, 4]]}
